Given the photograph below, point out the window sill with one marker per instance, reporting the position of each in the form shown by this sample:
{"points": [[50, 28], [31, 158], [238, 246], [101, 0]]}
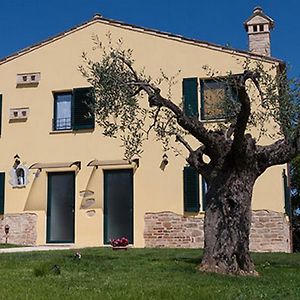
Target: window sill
{"points": [[74, 131], [21, 186], [200, 213], [61, 131], [213, 120]]}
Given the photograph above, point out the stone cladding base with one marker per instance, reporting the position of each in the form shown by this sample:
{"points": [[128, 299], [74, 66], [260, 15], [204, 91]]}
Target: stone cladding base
{"points": [[22, 228], [270, 231]]}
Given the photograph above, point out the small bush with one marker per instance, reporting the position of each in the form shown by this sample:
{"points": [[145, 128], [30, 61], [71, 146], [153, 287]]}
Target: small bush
{"points": [[41, 270], [46, 269]]}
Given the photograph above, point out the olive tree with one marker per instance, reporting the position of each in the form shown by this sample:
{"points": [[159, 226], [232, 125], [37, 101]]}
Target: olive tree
{"points": [[236, 159]]}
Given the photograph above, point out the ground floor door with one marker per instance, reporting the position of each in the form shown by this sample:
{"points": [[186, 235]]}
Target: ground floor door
{"points": [[61, 207], [118, 204]]}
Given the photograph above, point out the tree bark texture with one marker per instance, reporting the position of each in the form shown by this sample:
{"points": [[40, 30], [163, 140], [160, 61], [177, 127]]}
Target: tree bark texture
{"points": [[227, 224]]}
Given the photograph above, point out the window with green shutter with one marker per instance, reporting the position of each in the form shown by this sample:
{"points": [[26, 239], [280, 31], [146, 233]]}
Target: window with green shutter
{"points": [[190, 97], [2, 188], [191, 189], [73, 110]]}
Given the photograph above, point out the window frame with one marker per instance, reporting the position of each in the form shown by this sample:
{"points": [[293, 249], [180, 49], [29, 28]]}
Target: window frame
{"points": [[54, 120], [213, 119]]}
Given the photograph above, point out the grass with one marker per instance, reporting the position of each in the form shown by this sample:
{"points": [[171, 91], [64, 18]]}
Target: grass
{"points": [[141, 274], [10, 246]]}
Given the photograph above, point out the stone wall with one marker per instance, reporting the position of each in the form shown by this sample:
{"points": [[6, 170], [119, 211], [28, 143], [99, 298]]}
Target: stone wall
{"points": [[269, 231], [167, 229], [22, 229]]}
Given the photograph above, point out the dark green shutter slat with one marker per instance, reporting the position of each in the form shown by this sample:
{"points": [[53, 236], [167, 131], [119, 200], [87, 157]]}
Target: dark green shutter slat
{"points": [[2, 188], [82, 101], [287, 199], [0, 113], [204, 191], [190, 97], [191, 190]]}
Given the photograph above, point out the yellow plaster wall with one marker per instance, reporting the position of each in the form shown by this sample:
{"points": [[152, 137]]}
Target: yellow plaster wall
{"points": [[34, 140]]}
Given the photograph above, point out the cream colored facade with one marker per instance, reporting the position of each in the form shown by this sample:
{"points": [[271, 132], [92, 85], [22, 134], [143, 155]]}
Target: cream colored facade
{"points": [[34, 140]]}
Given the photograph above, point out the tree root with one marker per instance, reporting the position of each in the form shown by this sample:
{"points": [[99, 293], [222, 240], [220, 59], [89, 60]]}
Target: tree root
{"points": [[226, 270]]}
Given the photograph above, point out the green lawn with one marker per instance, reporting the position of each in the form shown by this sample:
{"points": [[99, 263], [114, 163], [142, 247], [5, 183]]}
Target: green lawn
{"points": [[141, 274], [10, 246]]}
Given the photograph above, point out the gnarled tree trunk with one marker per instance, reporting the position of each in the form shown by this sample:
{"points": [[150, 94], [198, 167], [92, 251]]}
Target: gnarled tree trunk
{"points": [[227, 224]]}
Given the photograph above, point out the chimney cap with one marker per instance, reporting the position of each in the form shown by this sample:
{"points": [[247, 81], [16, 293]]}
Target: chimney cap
{"points": [[258, 11]]}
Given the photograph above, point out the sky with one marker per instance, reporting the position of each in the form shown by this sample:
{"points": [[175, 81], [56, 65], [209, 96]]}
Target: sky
{"points": [[26, 22]]}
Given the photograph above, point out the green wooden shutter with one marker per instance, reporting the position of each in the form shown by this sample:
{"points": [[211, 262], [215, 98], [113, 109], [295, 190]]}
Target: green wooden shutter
{"points": [[204, 192], [191, 190], [82, 117], [2, 187], [0, 112], [190, 97], [287, 198]]}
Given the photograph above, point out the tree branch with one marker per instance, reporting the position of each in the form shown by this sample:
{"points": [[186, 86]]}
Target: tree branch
{"points": [[245, 111], [243, 116], [180, 139], [195, 159], [229, 132], [154, 122], [129, 66], [278, 153], [192, 125]]}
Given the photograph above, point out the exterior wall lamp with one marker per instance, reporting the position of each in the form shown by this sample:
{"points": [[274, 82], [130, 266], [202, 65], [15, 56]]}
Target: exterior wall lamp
{"points": [[6, 230], [164, 162]]}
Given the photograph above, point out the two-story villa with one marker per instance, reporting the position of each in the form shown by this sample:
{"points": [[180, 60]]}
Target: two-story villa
{"points": [[62, 181]]}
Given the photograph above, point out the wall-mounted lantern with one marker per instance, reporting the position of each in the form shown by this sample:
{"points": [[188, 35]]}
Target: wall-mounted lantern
{"points": [[164, 162], [6, 230]]}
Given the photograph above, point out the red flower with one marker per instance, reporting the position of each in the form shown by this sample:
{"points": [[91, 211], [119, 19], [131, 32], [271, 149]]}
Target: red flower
{"points": [[121, 242]]}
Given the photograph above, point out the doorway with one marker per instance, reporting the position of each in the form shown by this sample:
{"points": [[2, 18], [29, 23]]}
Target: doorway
{"points": [[118, 204], [61, 207]]}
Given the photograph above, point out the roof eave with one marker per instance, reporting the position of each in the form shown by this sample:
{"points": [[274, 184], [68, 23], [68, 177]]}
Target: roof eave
{"points": [[139, 28]]}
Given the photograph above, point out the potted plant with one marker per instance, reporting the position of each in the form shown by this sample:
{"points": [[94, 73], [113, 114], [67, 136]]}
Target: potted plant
{"points": [[119, 244]]}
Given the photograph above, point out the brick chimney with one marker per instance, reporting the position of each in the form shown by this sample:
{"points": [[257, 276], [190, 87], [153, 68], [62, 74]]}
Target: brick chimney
{"points": [[258, 27]]}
